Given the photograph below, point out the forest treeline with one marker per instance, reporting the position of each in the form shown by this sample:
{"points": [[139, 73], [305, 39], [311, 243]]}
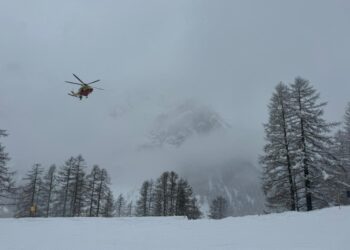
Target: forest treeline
{"points": [[72, 191], [67, 191]]}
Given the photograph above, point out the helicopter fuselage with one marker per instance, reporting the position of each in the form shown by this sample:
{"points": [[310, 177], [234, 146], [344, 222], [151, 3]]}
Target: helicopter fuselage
{"points": [[85, 91]]}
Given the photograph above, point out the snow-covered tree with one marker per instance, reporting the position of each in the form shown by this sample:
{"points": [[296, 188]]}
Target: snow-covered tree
{"points": [[120, 206], [162, 196], [342, 152], [92, 184], [172, 186], [78, 186], [193, 211], [129, 209], [7, 188], [65, 180], [109, 206], [169, 196], [313, 142], [48, 190], [102, 190], [218, 208], [29, 194], [278, 160], [186, 204], [301, 167], [142, 204], [345, 141]]}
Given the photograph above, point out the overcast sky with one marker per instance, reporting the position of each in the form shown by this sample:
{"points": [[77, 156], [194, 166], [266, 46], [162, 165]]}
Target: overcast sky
{"points": [[150, 56]]}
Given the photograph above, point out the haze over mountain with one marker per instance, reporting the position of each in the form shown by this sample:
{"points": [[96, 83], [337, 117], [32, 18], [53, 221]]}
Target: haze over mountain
{"points": [[201, 143], [151, 56]]}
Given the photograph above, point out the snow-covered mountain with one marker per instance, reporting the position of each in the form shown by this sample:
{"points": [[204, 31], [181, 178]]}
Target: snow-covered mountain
{"points": [[237, 181], [206, 153], [184, 121]]}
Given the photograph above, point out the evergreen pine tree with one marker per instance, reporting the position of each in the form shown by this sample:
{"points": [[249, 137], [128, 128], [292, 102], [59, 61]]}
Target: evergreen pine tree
{"points": [[48, 190], [109, 206], [218, 208], [279, 178], [345, 152], [120, 206], [162, 195], [186, 204], [92, 184], [311, 133], [78, 186], [193, 210], [29, 194], [342, 152], [102, 190], [7, 186], [129, 209], [172, 186], [65, 180], [142, 206], [169, 196]]}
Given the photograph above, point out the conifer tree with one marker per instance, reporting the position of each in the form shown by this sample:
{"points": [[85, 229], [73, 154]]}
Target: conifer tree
{"points": [[142, 206], [183, 197], [7, 185], [29, 193], [151, 197], [342, 152], [172, 186], [169, 196], [78, 186], [109, 206], [48, 190], [311, 132], [102, 190], [193, 211], [120, 206], [279, 177], [218, 208], [129, 209], [65, 180], [162, 194], [92, 184], [345, 153]]}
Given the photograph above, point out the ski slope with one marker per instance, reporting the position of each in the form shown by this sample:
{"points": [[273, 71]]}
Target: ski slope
{"points": [[324, 229]]}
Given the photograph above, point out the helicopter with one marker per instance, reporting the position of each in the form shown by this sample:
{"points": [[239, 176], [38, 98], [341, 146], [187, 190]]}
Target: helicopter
{"points": [[84, 90]]}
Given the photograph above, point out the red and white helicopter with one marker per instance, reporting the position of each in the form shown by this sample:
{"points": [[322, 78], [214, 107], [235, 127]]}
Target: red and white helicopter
{"points": [[84, 90]]}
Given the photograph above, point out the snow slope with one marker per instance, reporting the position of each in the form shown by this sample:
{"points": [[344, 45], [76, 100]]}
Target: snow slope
{"points": [[323, 229]]}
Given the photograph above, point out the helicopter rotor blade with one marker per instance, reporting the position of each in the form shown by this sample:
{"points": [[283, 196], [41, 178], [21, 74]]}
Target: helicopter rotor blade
{"points": [[78, 79], [98, 88], [92, 82], [74, 83]]}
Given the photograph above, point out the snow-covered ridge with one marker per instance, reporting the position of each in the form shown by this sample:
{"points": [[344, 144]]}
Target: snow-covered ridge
{"points": [[184, 121], [322, 230]]}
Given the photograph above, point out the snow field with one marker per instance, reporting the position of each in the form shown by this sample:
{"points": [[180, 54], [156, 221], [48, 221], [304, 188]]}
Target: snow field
{"points": [[327, 229]]}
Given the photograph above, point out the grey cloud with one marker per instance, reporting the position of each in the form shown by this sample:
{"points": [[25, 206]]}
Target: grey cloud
{"points": [[150, 56]]}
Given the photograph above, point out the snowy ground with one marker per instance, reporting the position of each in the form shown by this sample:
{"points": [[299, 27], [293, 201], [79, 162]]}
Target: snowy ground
{"points": [[324, 229]]}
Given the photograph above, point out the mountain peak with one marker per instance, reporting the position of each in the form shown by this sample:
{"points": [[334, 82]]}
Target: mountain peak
{"points": [[178, 124]]}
